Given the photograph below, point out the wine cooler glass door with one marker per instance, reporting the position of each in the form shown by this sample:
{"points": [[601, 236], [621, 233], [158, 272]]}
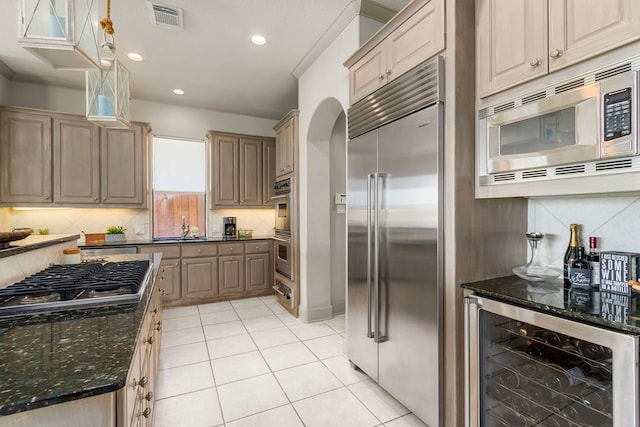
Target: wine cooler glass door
{"points": [[527, 368]]}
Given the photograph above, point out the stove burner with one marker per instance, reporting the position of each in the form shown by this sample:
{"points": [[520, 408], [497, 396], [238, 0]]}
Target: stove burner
{"points": [[97, 293], [38, 298], [77, 285]]}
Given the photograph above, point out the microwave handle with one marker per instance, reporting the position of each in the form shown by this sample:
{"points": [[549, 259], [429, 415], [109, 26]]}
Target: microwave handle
{"points": [[280, 196]]}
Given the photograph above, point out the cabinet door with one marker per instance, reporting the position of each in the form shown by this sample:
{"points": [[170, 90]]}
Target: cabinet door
{"points": [[250, 172], [368, 74], [512, 43], [268, 171], [25, 158], [231, 270], [123, 166], [417, 39], [76, 161], [226, 187], [169, 279], [199, 277], [286, 139], [257, 269], [581, 29]]}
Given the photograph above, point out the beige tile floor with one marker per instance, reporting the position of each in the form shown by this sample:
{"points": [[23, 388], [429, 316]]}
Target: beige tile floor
{"points": [[248, 363]]}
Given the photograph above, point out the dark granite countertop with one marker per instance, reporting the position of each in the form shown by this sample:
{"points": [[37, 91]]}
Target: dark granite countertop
{"points": [[54, 357], [169, 241], [34, 242], [618, 312]]}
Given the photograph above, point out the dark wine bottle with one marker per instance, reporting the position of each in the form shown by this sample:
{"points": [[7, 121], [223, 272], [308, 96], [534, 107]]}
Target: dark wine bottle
{"points": [[593, 257], [580, 273], [593, 351], [570, 254]]}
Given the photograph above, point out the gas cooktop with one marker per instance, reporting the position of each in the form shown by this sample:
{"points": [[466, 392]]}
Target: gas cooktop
{"points": [[77, 285]]}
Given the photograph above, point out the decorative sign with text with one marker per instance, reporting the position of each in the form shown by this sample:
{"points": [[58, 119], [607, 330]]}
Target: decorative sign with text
{"points": [[616, 269]]}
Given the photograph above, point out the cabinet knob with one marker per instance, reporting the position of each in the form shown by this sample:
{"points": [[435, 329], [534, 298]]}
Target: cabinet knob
{"points": [[104, 198], [95, 199], [149, 397], [535, 62], [177, 263], [146, 412], [381, 77], [143, 382], [150, 341], [556, 53], [159, 326], [46, 197], [387, 71]]}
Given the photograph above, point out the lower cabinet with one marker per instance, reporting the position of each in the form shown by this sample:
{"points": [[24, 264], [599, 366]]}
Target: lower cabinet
{"points": [[207, 272]]}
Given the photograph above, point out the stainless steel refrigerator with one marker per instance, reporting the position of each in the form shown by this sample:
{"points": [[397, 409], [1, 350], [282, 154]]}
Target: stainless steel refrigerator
{"points": [[395, 259]]}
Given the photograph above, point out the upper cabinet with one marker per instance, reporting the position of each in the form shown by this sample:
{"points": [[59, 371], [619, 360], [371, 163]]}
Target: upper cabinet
{"points": [[286, 143], [25, 157], [241, 175], [520, 40], [417, 38], [64, 160]]}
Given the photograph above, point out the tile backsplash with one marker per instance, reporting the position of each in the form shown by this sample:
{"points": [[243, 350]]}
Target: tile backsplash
{"points": [[614, 220], [77, 220]]}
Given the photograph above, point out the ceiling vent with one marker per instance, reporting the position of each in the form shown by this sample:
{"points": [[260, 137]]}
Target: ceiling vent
{"points": [[165, 16]]}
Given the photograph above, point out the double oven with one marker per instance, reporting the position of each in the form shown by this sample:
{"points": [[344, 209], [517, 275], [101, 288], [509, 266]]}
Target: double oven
{"points": [[284, 210]]}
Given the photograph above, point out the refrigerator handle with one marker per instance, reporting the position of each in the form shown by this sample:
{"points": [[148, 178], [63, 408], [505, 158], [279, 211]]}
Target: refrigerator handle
{"points": [[369, 210], [472, 305], [376, 257]]}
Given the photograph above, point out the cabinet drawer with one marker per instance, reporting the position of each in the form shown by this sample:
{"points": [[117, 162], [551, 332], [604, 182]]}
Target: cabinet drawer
{"points": [[230, 249], [257, 247], [168, 251], [199, 249]]}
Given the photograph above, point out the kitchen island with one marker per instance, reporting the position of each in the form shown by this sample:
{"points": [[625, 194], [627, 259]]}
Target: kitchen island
{"points": [[70, 357]]}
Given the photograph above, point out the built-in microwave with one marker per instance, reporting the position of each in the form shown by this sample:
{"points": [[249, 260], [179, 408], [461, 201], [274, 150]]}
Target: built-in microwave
{"points": [[546, 134]]}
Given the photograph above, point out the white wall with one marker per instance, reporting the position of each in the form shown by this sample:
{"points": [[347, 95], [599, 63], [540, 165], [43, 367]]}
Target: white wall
{"points": [[323, 94], [338, 184], [614, 220], [4, 90], [166, 119]]}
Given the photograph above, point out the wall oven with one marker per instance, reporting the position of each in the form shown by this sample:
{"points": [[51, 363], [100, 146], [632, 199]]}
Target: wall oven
{"points": [[528, 368], [283, 256], [283, 190]]}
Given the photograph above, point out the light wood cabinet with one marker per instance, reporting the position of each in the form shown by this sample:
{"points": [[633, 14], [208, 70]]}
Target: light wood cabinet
{"points": [[250, 172], [123, 165], [286, 143], [25, 158], [269, 154], [520, 40], [231, 268], [258, 266], [76, 160], [240, 172], [64, 160], [169, 276], [199, 277], [418, 38]]}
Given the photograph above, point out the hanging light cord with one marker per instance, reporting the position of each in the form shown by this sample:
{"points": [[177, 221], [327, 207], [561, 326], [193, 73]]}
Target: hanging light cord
{"points": [[106, 23]]}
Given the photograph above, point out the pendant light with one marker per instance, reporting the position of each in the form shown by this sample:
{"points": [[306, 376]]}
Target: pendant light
{"points": [[62, 33], [108, 86]]}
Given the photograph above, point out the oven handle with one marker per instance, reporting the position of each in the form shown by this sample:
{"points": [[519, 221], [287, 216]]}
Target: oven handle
{"points": [[280, 196], [282, 239]]}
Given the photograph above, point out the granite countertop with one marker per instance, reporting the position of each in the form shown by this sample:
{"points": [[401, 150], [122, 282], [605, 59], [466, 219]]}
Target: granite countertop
{"points": [[34, 242], [173, 240], [618, 312], [54, 357]]}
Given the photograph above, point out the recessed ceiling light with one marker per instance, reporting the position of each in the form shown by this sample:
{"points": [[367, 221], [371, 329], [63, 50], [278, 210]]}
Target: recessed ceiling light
{"points": [[135, 56], [178, 91], [258, 39]]}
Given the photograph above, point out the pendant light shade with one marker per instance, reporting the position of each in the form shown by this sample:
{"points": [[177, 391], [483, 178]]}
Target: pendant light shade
{"points": [[63, 33], [108, 94]]}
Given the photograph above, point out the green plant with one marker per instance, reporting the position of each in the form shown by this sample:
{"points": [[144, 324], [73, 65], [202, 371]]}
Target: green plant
{"points": [[116, 229], [43, 231]]}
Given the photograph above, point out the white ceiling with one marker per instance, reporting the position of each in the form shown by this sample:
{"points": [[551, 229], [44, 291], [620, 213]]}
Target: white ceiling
{"points": [[212, 60]]}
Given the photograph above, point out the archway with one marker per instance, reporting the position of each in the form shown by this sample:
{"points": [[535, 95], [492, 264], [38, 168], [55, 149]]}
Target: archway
{"points": [[324, 268]]}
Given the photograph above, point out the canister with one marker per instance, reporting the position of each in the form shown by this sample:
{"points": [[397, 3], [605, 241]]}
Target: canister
{"points": [[71, 256]]}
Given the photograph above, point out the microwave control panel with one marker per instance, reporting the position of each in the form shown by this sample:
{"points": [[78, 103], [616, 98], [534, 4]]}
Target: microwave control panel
{"points": [[617, 114]]}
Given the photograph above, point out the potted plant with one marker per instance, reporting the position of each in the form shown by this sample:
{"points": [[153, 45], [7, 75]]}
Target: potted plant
{"points": [[115, 233]]}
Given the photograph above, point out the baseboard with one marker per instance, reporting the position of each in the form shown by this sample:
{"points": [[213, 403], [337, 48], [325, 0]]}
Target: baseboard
{"points": [[315, 314]]}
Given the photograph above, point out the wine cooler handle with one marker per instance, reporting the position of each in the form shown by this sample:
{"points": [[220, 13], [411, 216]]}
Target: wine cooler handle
{"points": [[369, 211]]}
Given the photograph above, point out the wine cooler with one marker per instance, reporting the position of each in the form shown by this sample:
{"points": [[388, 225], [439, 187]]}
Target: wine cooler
{"points": [[527, 368]]}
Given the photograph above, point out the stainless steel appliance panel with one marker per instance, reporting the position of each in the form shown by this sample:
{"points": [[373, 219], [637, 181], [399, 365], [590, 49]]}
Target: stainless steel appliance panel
{"points": [[490, 331], [363, 157], [409, 167], [395, 261], [283, 255]]}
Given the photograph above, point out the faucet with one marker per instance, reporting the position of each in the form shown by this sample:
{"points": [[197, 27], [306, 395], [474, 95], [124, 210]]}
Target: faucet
{"points": [[185, 228]]}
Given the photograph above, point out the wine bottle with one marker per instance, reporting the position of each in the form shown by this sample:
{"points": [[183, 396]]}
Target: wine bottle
{"points": [[570, 254], [593, 257], [580, 273], [593, 351]]}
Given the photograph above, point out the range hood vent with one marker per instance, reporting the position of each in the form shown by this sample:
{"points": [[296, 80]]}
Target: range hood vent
{"points": [[165, 16]]}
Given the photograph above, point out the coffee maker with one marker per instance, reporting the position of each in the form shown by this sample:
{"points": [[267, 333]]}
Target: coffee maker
{"points": [[229, 223]]}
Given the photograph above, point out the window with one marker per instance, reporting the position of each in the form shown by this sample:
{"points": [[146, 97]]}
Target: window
{"points": [[179, 167]]}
